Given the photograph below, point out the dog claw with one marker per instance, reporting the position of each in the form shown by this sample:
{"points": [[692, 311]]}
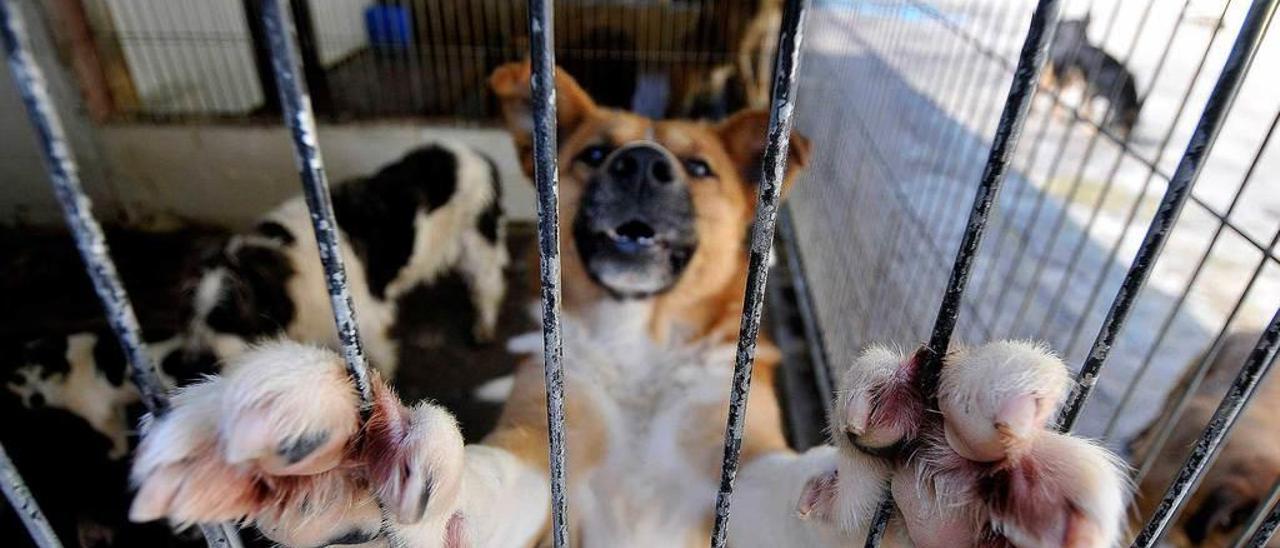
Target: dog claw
{"points": [[879, 406]]}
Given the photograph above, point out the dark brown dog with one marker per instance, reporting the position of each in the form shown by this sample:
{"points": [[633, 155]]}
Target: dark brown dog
{"points": [[1243, 472]]}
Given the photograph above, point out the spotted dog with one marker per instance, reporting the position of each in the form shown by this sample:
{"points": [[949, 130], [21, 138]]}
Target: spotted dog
{"points": [[435, 210], [1248, 464], [654, 267], [69, 412], [82, 373]]}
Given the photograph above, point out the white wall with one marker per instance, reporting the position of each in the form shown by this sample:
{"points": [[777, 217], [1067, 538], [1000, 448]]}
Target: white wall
{"points": [[188, 56], [230, 174], [25, 194], [339, 28]]}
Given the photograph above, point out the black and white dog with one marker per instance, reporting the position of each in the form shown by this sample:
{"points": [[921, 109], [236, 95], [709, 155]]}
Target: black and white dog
{"points": [[1075, 61], [435, 210], [69, 413], [82, 373]]}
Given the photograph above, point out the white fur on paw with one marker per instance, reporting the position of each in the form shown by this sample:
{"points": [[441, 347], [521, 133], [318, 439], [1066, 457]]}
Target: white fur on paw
{"points": [[289, 408], [997, 397], [877, 405]]}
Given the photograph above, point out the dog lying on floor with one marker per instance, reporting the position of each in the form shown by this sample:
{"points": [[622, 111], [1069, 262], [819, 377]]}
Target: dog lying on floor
{"points": [[1244, 470], [434, 210], [83, 374], [654, 270]]}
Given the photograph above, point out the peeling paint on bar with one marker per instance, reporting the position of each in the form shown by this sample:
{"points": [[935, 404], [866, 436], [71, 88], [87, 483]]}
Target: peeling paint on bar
{"points": [[546, 177], [315, 187], [1264, 521], [77, 209], [1215, 433], [774, 166], [24, 505], [1252, 31], [1012, 119], [1266, 530], [90, 241]]}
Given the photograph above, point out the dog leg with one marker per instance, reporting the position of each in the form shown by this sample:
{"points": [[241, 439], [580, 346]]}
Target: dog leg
{"points": [[828, 495], [483, 264], [823, 497]]}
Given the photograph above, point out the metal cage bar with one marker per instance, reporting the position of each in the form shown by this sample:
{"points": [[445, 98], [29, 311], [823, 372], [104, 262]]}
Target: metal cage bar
{"points": [[24, 504], [296, 105], [546, 177], [1233, 403], [1165, 325], [1263, 523], [773, 167], [1211, 121], [1012, 119], [87, 233]]}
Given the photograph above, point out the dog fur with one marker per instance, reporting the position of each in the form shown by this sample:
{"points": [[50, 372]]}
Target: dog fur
{"points": [[434, 210], [1246, 467], [84, 374], [648, 360]]}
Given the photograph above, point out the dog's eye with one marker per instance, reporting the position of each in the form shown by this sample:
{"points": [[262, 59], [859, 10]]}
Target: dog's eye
{"points": [[698, 168], [593, 155]]}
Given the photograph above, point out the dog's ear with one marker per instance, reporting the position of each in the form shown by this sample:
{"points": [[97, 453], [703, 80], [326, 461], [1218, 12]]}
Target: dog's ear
{"points": [[743, 135], [510, 82]]}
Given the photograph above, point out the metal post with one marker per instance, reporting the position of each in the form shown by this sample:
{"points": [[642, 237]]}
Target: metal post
{"points": [[774, 167], [1263, 523], [25, 505], [1021, 91], [86, 231], [1224, 418], [315, 187], [546, 176], [1211, 121]]}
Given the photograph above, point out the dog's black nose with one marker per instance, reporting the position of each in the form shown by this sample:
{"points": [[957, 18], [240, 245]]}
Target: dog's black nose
{"points": [[641, 164]]}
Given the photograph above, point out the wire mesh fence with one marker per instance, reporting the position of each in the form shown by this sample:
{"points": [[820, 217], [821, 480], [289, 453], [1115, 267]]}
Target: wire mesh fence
{"points": [[920, 87], [180, 60], [900, 98]]}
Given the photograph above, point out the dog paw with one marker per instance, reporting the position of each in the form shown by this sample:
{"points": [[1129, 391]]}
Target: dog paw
{"points": [[283, 410], [989, 469], [1067, 491], [996, 398], [278, 442], [414, 458], [878, 405]]}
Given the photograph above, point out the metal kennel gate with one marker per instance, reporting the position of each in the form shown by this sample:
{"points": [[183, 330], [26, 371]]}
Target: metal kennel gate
{"points": [[787, 80]]}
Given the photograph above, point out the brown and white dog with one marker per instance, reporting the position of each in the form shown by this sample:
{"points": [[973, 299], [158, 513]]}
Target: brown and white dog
{"points": [[434, 210], [654, 270], [1244, 470]]}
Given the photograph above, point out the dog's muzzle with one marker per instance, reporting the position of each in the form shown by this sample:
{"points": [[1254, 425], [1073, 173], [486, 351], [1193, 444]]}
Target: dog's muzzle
{"points": [[635, 228]]}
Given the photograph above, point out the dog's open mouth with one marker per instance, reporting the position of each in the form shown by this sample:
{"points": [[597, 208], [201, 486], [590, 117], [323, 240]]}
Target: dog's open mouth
{"points": [[633, 259], [635, 228], [632, 237]]}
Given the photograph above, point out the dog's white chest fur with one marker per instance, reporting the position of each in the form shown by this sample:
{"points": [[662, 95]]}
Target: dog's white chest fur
{"points": [[650, 489]]}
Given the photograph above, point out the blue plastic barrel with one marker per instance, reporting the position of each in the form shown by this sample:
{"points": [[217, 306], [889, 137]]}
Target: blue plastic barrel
{"points": [[388, 27]]}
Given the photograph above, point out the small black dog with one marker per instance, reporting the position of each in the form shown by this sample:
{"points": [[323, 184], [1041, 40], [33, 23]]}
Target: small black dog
{"points": [[1072, 59]]}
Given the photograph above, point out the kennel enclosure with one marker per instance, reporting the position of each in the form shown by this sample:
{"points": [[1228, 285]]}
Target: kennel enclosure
{"points": [[900, 167]]}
